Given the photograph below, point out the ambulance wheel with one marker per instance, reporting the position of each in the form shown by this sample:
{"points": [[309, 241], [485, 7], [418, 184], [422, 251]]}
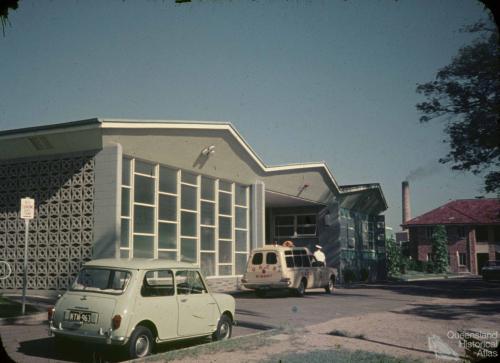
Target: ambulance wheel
{"points": [[331, 285], [301, 290]]}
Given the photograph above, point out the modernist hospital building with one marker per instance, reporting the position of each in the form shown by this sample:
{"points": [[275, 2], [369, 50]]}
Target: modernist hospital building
{"points": [[192, 192]]}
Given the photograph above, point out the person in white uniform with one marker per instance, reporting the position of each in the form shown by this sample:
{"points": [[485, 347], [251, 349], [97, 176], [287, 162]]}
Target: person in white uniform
{"points": [[319, 255]]}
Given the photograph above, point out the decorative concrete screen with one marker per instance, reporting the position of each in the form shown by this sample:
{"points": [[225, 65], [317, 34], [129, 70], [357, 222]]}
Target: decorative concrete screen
{"points": [[60, 235]]}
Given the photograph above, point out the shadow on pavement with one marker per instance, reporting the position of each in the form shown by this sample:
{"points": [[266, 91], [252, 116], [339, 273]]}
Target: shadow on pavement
{"points": [[80, 352], [451, 311], [463, 288]]}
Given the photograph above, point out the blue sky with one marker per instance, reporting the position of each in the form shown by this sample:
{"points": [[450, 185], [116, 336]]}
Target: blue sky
{"points": [[302, 80]]}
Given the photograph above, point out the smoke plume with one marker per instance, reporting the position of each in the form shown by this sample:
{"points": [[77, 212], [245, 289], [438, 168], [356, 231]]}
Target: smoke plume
{"points": [[425, 171]]}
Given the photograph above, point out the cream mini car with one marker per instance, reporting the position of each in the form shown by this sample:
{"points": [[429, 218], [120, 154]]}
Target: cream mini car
{"points": [[294, 268], [137, 303]]}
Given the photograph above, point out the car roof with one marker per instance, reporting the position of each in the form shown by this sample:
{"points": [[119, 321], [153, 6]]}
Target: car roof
{"points": [[139, 263], [279, 248]]}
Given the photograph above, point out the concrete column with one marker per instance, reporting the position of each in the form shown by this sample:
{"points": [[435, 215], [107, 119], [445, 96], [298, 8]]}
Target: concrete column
{"points": [[258, 210], [107, 203]]}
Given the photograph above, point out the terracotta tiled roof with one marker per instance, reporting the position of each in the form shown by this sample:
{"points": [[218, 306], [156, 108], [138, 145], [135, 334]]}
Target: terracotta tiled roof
{"points": [[462, 211]]}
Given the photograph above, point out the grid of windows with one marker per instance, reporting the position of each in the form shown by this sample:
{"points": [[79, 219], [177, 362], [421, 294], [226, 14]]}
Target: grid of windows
{"points": [[177, 215], [287, 226]]}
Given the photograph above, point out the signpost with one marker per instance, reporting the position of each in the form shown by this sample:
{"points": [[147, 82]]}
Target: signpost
{"points": [[27, 213]]}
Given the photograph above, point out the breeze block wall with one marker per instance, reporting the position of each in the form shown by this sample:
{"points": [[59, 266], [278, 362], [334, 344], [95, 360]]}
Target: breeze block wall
{"points": [[61, 234]]}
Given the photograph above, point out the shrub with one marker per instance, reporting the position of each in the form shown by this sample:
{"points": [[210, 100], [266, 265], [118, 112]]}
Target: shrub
{"points": [[364, 274]]}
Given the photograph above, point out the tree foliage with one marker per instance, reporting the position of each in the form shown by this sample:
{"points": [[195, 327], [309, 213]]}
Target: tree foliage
{"points": [[439, 249], [394, 257], [466, 94]]}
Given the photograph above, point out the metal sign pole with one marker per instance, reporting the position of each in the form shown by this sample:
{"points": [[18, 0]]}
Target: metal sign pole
{"points": [[25, 274], [27, 212]]}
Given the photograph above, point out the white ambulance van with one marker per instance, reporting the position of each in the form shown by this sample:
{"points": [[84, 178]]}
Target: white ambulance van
{"points": [[292, 268]]}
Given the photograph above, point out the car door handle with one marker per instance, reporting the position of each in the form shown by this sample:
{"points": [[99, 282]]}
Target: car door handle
{"points": [[184, 300]]}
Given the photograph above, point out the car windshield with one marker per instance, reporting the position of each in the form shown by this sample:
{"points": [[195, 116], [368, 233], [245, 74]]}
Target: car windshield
{"points": [[101, 280]]}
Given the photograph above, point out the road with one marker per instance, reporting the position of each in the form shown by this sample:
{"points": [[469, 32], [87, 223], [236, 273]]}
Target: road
{"points": [[30, 343]]}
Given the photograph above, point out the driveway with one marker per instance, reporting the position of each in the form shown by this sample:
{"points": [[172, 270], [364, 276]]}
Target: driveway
{"points": [[465, 298]]}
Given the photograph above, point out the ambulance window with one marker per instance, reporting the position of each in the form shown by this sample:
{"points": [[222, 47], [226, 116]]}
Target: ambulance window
{"points": [[289, 259], [297, 258], [271, 258], [257, 259], [305, 261]]}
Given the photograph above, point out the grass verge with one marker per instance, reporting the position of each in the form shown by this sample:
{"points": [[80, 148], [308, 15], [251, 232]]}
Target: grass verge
{"points": [[9, 308], [243, 343], [337, 355]]}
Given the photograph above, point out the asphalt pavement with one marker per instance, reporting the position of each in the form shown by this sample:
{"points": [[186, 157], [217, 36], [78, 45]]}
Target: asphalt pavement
{"points": [[28, 341]]}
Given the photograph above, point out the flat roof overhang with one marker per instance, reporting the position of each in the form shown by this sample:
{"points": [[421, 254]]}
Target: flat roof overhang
{"points": [[281, 200]]}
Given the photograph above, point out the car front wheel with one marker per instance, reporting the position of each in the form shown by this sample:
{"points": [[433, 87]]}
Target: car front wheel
{"points": [[224, 329], [141, 342]]}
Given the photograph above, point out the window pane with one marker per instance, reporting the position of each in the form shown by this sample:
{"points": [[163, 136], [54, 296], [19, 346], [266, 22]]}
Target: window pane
{"points": [[207, 213], [158, 283], [168, 180], [240, 196], [168, 207], [207, 188], [167, 255], [225, 252], [143, 219], [125, 202], [144, 168], [208, 239], [124, 233], [188, 250], [241, 263], [188, 197], [309, 230], [241, 217], [208, 264], [284, 231], [257, 259], [167, 235], [144, 189], [310, 219], [225, 270], [284, 220], [225, 227], [126, 171], [271, 258], [241, 240], [224, 185], [224, 203], [188, 177], [188, 224], [143, 246]]}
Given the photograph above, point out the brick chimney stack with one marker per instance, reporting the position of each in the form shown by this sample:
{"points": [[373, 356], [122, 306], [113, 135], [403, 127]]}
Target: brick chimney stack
{"points": [[406, 202]]}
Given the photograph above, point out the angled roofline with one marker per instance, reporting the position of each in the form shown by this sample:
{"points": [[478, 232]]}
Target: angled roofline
{"points": [[116, 123], [220, 125], [356, 188], [60, 127]]}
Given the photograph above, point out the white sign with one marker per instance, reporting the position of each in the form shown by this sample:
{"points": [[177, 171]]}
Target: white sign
{"points": [[27, 208]]}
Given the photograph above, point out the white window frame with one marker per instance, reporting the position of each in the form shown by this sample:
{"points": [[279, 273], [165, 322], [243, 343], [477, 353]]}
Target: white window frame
{"points": [[197, 212], [295, 225]]}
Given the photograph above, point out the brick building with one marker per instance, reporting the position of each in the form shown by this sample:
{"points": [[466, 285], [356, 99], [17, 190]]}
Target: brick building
{"points": [[473, 229]]}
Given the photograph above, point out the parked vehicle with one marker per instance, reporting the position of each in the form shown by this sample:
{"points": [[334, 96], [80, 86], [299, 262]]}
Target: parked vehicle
{"points": [[138, 303], [292, 268], [491, 271]]}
